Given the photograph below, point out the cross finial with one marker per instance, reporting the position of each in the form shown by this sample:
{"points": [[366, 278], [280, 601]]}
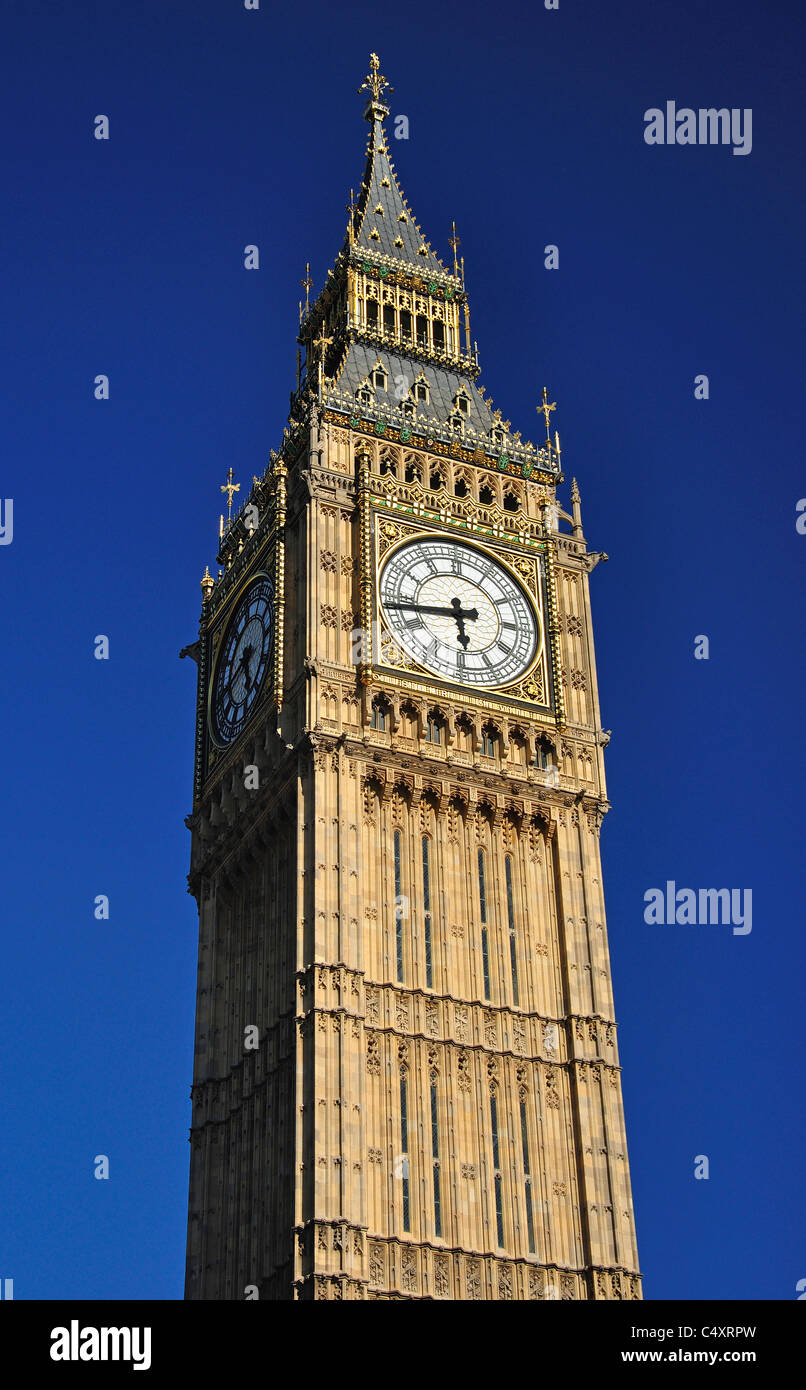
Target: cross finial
{"points": [[321, 343], [375, 83], [454, 243], [230, 488], [546, 409], [306, 284]]}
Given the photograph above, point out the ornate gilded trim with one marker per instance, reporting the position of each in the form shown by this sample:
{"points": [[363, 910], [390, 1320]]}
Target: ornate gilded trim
{"points": [[280, 473], [554, 635]]}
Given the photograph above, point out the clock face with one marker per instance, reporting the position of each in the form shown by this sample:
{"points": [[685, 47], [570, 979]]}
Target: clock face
{"points": [[458, 612], [243, 660]]}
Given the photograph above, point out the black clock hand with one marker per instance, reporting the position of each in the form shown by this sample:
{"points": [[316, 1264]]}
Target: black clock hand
{"points": [[441, 612], [460, 615], [246, 656], [243, 666], [455, 611]]}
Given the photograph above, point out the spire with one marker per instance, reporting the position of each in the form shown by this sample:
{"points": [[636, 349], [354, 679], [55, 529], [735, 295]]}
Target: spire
{"points": [[383, 221], [391, 312]]}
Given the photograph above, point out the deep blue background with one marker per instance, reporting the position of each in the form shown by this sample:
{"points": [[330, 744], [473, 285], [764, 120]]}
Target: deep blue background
{"points": [[126, 257]]}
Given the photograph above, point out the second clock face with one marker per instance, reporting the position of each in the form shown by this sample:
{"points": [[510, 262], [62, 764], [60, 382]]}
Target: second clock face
{"points": [[458, 612], [243, 660]]}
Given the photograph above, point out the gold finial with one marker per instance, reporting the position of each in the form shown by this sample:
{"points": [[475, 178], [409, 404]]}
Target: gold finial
{"points": [[321, 343], [455, 243], [352, 208], [557, 442], [230, 487], [546, 408], [306, 284], [207, 584], [375, 83]]}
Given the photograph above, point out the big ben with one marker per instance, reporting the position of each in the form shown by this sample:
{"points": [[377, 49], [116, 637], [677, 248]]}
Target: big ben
{"points": [[406, 1078]]}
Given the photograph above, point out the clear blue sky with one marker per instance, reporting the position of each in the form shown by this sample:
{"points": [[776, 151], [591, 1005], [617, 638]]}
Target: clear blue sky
{"points": [[125, 258]]}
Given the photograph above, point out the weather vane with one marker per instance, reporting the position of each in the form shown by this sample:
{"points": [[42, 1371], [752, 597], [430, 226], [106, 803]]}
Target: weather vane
{"points": [[546, 409], [374, 82], [230, 488]]}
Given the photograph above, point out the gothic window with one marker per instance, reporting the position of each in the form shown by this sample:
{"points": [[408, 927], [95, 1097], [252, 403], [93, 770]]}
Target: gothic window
{"points": [[489, 741], [460, 487], [405, 324], [435, 1159], [379, 716], [398, 911], [421, 390], [422, 330], [486, 496], [499, 1214], [485, 956], [408, 720], [464, 733], [530, 1225], [437, 479], [404, 1149], [414, 471], [438, 331], [513, 955], [372, 313], [433, 731], [542, 754], [364, 395], [408, 411], [388, 465], [497, 439], [517, 744], [512, 502], [457, 424], [389, 318], [379, 375], [462, 402], [429, 970]]}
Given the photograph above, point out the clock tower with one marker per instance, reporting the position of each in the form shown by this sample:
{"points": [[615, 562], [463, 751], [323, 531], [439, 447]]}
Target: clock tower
{"points": [[406, 1079]]}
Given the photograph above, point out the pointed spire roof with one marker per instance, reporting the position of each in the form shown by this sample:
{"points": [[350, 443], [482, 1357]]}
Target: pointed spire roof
{"points": [[346, 345], [383, 220]]}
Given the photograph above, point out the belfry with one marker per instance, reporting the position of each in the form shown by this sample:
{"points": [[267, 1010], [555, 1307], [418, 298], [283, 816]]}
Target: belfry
{"points": [[406, 1079]]}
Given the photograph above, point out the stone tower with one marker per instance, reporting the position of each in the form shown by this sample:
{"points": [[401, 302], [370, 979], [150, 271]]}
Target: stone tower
{"points": [[406, 1079]]}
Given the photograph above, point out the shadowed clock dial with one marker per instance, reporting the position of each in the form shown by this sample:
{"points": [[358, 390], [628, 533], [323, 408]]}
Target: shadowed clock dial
{"points": [[454, 609], [243, 661]]}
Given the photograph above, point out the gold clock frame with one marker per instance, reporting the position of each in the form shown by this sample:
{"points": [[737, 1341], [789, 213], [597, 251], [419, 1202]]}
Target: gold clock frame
{"points": [[538, 603]]}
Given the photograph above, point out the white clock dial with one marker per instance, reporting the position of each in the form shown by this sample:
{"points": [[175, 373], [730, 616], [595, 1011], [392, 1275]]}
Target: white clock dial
{"points": [[457, 611]]}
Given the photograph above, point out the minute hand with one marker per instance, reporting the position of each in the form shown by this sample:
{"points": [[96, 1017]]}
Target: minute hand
{"points": [[441, 612], [455, 611]]}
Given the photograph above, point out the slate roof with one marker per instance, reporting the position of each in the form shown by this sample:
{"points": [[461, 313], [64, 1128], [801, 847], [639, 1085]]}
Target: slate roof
{"points": [[443, 386], [380, 189]]}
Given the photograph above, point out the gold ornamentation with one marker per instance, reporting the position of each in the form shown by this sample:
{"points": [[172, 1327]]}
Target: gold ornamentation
{"points": [[230, 487], [375, 83], [546, 409]]}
